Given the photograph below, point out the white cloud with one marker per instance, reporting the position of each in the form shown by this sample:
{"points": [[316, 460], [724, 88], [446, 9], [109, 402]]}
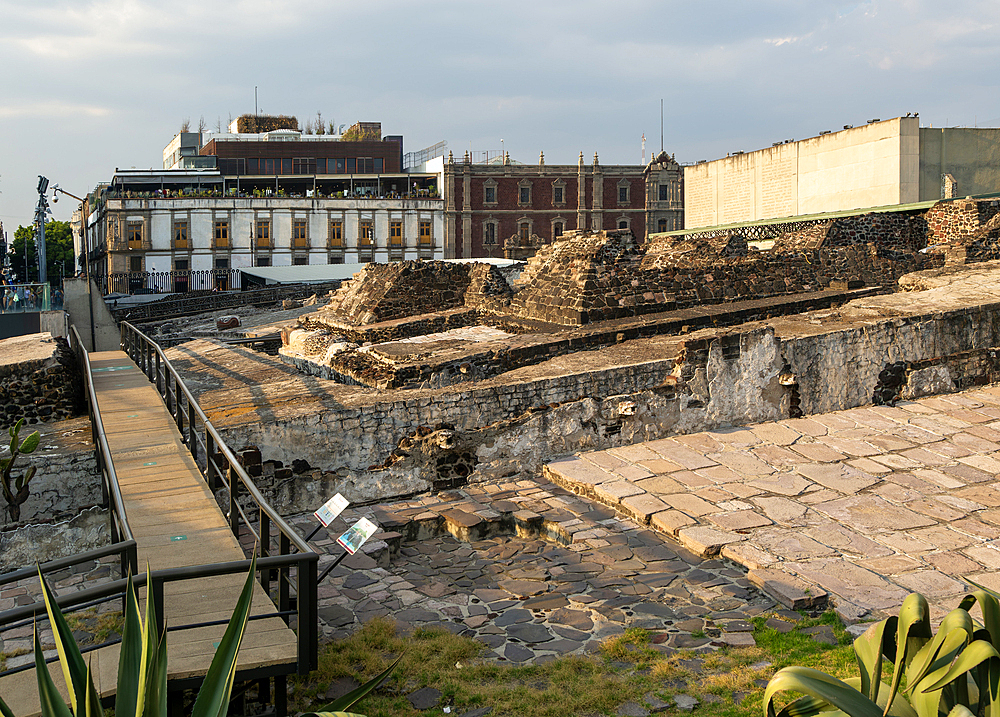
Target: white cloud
{"points": [[50, 109]]}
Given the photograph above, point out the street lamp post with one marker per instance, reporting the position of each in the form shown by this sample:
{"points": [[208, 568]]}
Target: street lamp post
{"points": [[56, 190]]}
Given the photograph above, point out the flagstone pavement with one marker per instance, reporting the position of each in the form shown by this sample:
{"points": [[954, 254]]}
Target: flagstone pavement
{"points": [[858, 507]]}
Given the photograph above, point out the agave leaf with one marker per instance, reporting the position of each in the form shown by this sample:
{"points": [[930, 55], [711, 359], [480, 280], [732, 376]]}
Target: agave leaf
{"points": [[213, 697], [129, 699], [31, 443], [331, 714], [868, 650], [913, 629], [355, 695], [814, 683], [93, 703], [954, 632], [5, 710], [73, 667], [156, 684], [989, 603], [961, 711], [927, 703], [971, 657], [51, 701]]}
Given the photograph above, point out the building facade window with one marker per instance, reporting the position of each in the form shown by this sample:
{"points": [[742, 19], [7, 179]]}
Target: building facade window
{"points": [[624, 223], [557, 228], [135, 263], [396, 233], [337, 234], [300, 237], [180, 235], [263, 235], [524, 193], [490, 233], [300, 261], [559, 193], [426, 233], [222, 235], [623, 192], [524, 229], [134, 235], [335, 259], [661, 225], [263, 261], [664, 192], [366, 232], [490, 192]]}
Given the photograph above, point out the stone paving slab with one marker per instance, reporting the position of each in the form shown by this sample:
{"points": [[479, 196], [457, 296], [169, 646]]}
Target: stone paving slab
{"points": [[563, 582], [865, 505]]}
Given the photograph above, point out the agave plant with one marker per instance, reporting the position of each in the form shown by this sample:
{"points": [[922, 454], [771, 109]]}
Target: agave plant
{"points": [[955, 672], [15, 489], [334, 709], [142, 664]]}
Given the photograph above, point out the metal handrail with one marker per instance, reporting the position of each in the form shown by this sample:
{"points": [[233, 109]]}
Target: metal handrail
{"points": [[130, 347], [120, 528], [157, 579], [151, 360]]}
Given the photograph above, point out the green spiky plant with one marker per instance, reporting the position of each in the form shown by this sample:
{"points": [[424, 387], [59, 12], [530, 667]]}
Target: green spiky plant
{"points": [[15, 489], [335, 708], [954, 673], [142, 664]]}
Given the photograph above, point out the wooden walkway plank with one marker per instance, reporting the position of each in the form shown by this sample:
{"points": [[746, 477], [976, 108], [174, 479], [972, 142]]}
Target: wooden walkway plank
{"points": [[176, 523]]}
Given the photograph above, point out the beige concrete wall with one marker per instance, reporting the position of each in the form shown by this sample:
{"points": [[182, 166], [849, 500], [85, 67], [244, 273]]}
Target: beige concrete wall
{"points": [[867, 166], [970, 155]]}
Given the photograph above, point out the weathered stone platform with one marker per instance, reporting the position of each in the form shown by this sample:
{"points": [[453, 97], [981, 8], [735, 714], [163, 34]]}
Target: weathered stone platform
{"points": [[862, 506]]}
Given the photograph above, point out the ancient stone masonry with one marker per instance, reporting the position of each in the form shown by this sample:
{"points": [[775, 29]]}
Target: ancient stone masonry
{"points": [[381, 292], [966, 230], [603, 276], [44, 386], [895, 230]]}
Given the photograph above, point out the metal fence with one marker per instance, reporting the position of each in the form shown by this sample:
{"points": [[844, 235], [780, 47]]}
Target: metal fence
{"points": [[169, 282], [169, 307]]}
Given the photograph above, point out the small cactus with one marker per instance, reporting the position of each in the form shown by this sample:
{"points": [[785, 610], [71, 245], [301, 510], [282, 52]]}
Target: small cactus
{"points": [[15, 489]]}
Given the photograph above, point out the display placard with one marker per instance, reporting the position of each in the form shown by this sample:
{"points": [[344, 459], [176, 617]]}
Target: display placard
{"points": [[331, 509], [356, 535]]}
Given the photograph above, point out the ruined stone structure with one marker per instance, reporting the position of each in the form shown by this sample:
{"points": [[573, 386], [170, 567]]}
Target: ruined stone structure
{"points": [[39, 380]]}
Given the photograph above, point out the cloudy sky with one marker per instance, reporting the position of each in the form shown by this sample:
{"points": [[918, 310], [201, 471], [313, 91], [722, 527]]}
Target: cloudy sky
{"points": [[90, 85]]}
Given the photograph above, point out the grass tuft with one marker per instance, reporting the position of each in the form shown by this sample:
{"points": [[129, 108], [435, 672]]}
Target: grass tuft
{"points": [[728, 682]]}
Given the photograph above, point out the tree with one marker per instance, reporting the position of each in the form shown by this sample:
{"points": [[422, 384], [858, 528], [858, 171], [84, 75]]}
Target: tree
{"points": [[58, 252]]}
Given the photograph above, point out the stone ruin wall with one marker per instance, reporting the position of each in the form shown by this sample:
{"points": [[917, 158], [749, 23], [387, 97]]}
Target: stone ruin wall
{"points": [[41, 390], [384, 292], [604, 276], [416, 441], [896, 230]]}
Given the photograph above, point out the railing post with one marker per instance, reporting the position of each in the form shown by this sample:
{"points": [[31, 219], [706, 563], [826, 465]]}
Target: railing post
{"points": [[284, 546], [192, 431], [264, 531], [211, 470], [307, 615], [159, 378], [234, 512]]}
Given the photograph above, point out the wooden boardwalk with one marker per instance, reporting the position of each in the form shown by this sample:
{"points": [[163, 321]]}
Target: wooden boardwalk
{"points": [[176, 523]]}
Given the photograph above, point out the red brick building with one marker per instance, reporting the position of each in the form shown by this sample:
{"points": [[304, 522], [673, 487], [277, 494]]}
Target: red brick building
{"points": [[504, 209]]}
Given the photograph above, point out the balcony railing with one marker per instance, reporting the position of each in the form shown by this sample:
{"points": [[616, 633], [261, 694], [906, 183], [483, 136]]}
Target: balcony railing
{"points": [[169, 282]]}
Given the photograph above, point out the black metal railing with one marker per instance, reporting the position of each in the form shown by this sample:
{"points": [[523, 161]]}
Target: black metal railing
{"points": [[170, 307], [222, 470], [293, 569], [121, 532], [169, 282]]}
